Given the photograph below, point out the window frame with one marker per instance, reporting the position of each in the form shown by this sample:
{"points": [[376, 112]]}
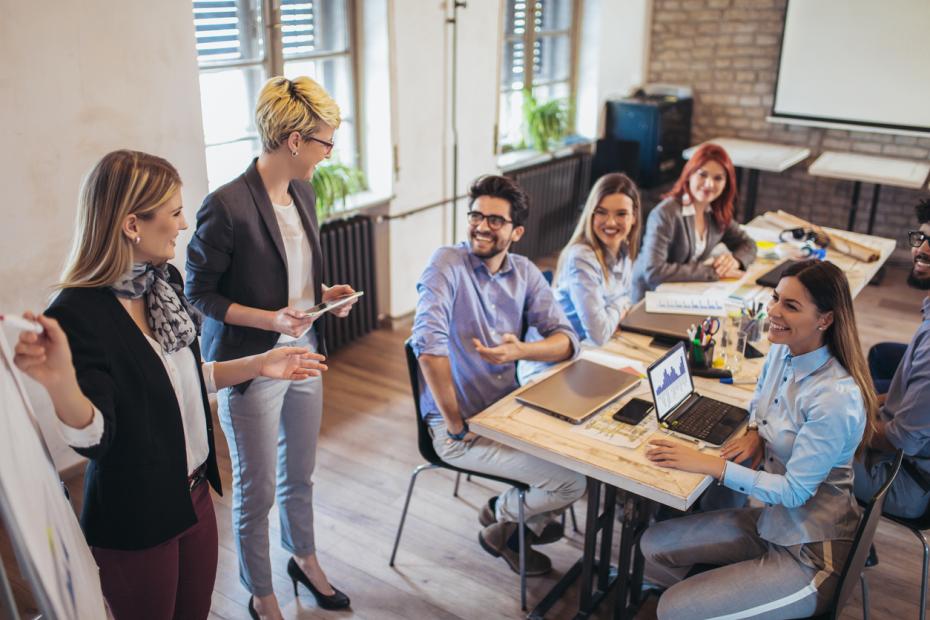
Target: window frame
{"points": [[268, 24], [529, 38]]}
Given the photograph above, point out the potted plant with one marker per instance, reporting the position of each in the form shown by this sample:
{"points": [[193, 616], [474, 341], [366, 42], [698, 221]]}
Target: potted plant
{"points": [[333, 181], [546, 123]]}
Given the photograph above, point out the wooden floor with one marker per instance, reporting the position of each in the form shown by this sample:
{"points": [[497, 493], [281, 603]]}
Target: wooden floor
{"points": [[366, 454]]}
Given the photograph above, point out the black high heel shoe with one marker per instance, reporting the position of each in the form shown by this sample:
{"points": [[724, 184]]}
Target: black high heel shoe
{"points": [[252, 613], [336, 600]]}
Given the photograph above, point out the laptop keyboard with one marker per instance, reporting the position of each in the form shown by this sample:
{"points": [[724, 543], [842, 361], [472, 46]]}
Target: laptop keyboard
{"points": [[701, 419]]}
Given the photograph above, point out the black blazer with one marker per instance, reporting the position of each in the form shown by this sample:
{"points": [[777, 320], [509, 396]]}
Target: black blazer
{"points": [[136, 493], [237, 255]]}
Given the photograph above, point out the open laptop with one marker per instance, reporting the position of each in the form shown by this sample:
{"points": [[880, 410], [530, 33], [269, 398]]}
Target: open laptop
{"points": [[681, 409], [578, 391]]}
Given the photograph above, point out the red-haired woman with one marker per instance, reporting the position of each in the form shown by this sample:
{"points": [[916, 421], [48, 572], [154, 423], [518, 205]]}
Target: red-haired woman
{"points": [[693, 218]]}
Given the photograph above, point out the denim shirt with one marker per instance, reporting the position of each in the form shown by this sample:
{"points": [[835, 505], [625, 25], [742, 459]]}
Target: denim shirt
{"points": [[906, 411], [593, 303], [811, 417], [460, 300]]}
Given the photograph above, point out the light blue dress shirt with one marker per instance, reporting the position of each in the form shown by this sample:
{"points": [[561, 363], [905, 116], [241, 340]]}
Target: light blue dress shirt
{"points": [[592, 302], [811, 417], [460, 300]]}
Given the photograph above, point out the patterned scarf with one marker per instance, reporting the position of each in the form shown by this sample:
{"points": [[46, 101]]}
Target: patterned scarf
{"points": [[174, 321]]}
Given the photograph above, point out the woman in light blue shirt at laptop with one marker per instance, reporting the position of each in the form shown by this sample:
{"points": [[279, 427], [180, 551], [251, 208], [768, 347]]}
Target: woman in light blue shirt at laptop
{"points": [[594, 273], [811, 413]]}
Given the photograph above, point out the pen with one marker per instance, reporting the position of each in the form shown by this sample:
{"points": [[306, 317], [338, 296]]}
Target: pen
{"points": [[17, 322], [744, 380]]}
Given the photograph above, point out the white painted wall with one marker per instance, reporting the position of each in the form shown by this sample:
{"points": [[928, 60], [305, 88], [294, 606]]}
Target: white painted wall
{"points": [[421, 66], [79, 79], [613, 58]]}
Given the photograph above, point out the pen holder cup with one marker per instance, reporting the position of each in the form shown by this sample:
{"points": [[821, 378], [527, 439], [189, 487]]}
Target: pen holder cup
{"points": [[752, 328], [701, 356]]}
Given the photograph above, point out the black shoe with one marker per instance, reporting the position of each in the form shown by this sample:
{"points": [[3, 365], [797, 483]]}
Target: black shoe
{"points": [[336, 600], [252, 613]]}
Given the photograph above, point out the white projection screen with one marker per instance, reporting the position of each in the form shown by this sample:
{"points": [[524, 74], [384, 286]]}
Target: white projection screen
{"points": [[855, 62]]}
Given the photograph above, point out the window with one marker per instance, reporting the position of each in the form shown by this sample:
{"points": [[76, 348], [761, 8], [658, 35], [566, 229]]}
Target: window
{"points": [[239, 47], [539, 53]]}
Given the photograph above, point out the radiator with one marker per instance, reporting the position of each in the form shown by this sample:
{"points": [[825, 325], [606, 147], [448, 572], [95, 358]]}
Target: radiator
{"points": [[557, 191], [349, 258]]}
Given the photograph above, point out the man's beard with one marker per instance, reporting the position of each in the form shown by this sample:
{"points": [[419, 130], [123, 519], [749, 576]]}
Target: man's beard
{"points": [[496, 248], [919, 282]]}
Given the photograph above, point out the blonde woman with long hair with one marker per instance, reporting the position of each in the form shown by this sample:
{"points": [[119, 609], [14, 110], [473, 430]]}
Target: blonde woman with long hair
{"points": [[254, 267], [595, 270], [593, 276], [812, 412], [119, 358]]}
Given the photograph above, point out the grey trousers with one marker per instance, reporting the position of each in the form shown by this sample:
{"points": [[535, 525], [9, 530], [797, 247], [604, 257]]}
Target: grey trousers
{"points": [[552, 487], [272, 432], [756, 579], [906, 498]]}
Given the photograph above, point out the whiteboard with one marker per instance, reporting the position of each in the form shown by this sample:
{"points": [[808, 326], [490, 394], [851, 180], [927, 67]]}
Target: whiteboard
{"points": [[855, 62], [46, 536]]}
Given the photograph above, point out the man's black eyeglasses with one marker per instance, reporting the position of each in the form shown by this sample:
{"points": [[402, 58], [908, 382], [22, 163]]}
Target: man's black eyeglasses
{"points": [[494, 221], [329, 145], [916, 238]]}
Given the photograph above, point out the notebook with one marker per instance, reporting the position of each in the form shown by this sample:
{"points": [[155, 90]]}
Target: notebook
{"points": [[681, 409], [578, 391]]}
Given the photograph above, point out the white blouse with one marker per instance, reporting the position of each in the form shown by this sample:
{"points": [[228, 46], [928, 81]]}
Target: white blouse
{"points": [[185, 379], [300, 292]]}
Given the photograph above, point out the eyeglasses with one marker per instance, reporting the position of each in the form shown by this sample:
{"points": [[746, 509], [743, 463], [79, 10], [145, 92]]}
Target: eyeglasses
{"points": [[327, 145], [916, 238], [495, 222]]}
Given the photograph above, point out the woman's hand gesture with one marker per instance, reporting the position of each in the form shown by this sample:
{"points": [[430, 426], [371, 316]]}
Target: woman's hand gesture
{"points": [[291, 363]]}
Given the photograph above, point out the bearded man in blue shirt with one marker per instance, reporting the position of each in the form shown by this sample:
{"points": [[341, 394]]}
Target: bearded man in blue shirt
{"points": [[476, 300]]}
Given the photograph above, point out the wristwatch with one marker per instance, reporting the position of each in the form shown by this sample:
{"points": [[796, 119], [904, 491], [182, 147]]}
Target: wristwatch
{"points": [[752, 426], [461, 434]]}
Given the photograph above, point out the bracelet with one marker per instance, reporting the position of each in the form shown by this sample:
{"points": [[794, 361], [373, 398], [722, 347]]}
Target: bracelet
{"points": [[461, 434]]}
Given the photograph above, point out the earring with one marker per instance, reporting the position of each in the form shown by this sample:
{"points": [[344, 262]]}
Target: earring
{"points": [[294, 153], [821, 327], [137, 240]]}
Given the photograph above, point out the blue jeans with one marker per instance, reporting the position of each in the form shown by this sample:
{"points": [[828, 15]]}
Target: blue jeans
{"points": [[884, 359], [272, 432]]}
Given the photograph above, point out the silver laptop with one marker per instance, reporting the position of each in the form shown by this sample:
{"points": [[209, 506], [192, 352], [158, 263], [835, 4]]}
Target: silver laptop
{"points": [[681, 409], [578, 390]]}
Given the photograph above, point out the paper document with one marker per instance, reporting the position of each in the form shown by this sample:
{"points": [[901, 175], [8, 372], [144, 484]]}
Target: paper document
{"points": [[682, 303]]}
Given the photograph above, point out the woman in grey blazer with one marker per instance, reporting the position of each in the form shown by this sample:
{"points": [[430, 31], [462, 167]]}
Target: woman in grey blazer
{"points": [[254, 267], [683, 229]]}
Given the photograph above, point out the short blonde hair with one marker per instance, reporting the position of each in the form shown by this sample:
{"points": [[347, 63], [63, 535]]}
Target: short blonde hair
{"points": [[123, 183], [285, 106]]}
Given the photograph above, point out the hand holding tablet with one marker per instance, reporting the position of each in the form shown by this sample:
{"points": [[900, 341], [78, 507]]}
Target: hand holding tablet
{"points": [[324, 307]]}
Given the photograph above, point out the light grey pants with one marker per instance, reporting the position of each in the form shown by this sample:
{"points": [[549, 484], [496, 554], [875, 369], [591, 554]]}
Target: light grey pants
{"points": [[272, 432], [552, 487], [756, 579]]}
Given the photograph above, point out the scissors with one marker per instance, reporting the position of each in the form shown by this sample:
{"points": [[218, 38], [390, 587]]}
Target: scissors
{"points": [[710, 325]]}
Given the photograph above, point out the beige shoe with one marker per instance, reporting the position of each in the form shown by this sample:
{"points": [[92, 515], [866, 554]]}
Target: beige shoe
{"points": [[494, 539]]}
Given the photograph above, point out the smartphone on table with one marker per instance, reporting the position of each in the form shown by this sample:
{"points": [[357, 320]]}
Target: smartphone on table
{"points": [[634, 411]]}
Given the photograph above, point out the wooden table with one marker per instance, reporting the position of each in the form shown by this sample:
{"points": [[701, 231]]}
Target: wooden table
{"points": [[628, 470], [755, 156], [869, 169]]}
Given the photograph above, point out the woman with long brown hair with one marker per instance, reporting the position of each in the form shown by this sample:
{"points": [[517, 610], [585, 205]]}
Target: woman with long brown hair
{"points": [[811, 413], [119, 358], [683, 229]]}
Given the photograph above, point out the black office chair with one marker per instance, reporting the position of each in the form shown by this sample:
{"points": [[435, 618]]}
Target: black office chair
{"points": [[425, 444], [917, 526], [858, 553]]}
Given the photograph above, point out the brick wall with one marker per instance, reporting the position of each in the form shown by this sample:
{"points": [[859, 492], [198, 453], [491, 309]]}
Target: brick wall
{"points": [[727, 51]]}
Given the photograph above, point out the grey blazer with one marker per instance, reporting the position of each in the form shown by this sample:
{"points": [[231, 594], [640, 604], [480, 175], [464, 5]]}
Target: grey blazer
{"points": [[667, 253], [237, 255]]}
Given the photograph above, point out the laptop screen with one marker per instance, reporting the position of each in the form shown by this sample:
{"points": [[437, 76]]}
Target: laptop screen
{"points": [[670, 380]]}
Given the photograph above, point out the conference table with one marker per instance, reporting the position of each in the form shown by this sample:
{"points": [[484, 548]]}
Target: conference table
{"points": [[610, 460]]}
